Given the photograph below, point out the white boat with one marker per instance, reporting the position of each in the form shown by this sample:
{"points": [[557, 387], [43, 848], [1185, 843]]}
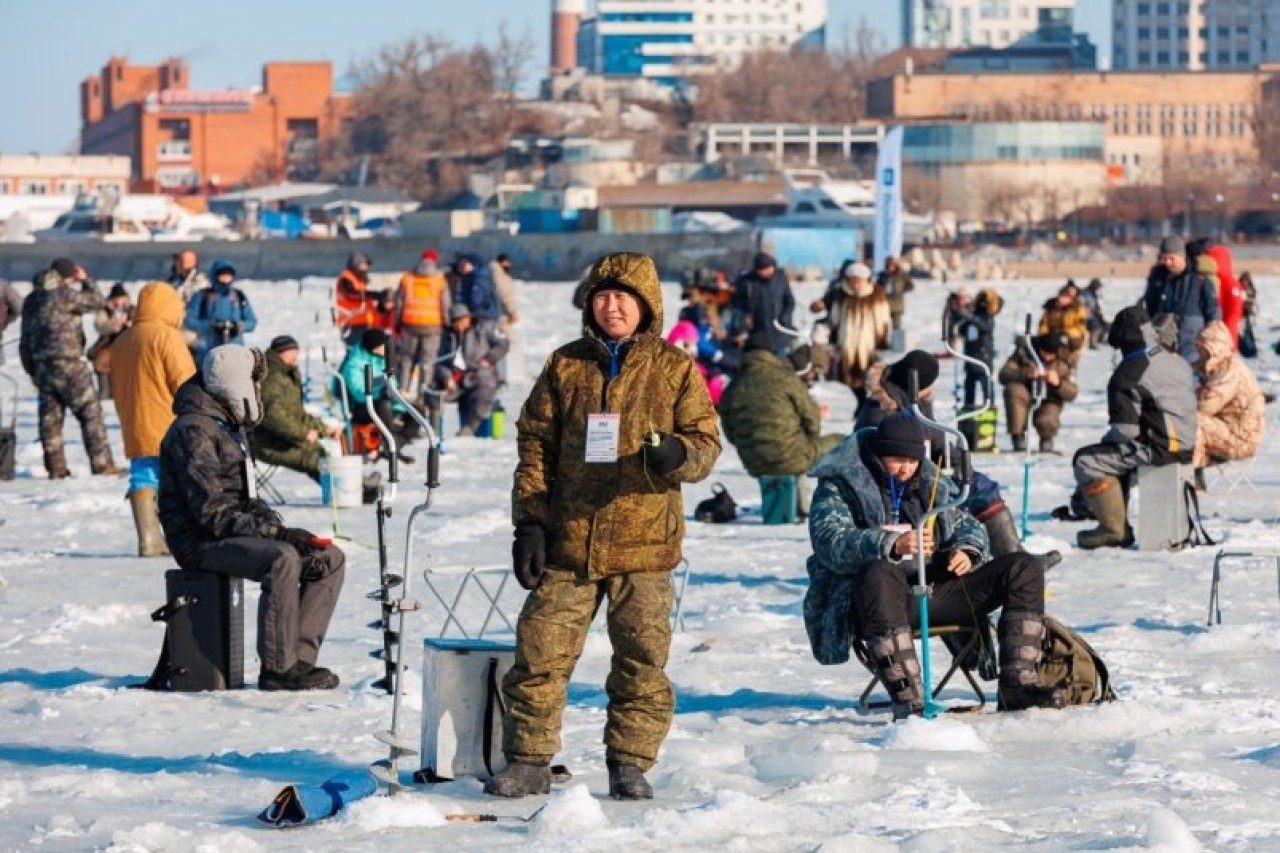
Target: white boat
{"points": [[135, 218], [814, 200]]}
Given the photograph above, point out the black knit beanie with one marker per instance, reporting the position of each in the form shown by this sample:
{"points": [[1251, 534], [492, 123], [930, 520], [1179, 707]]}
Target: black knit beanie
{"points": [[923, 363], [899, 435]]}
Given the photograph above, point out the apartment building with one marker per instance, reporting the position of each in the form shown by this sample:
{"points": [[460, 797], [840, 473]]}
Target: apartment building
{"points": [[669, 40]]}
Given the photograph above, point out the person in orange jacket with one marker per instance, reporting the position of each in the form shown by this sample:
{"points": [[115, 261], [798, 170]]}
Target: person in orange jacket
{"points": [[422, 306], [355, 306]]}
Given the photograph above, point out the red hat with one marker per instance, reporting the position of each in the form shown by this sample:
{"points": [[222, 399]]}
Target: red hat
{"points": [[431, 255]]}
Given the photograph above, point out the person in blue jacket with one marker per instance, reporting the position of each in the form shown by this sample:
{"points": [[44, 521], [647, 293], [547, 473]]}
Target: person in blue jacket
{"points": [[474, 288], [371, 350], [220, 313]]}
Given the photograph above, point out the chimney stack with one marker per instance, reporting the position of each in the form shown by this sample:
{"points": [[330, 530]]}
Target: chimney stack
{"points": [[566, 16]]}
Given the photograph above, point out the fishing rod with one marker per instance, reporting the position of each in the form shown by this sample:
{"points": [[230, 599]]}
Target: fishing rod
{"points": [[959, 472], [1038, 392]]}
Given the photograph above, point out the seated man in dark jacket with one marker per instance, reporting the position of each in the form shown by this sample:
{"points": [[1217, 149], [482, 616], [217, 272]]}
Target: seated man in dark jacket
{"points": [[871, 490], [214, 521], [1151, 407]]}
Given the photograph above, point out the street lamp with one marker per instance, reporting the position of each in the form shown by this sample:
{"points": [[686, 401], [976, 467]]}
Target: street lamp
{"points": [[1186, 213]]}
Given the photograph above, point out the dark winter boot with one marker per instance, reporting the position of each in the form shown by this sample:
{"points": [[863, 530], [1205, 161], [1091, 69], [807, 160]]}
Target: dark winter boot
{"points": [[1019, 443], [520, 778], [146, 520], [1106, 502], [300, 676], [627, 782], [894, 659], [1046, 446], [1002, 531], [1201, 485], [1021, 639]]}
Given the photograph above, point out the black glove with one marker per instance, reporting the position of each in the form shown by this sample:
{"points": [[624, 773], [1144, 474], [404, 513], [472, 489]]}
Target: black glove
{"points": [[303, 540], [529, 554], [663, 453]]}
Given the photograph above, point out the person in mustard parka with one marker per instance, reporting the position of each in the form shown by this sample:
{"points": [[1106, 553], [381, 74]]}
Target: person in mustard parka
{"points": [[615, 423]]}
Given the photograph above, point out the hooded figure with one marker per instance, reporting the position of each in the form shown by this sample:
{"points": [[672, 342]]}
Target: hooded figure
{"points": [[1231, 414], [976, 326], [872, 490], [617, 421], [150, 362], [1231, 293], [1152, 413], [221, 313], [215, 522]]}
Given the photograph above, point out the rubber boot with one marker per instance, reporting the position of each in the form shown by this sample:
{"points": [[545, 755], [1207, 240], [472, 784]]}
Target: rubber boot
{"points": [[1019, 443], [520, 779], [1106, 502], [1002, 531], [1021, 645], [894, 658], [627, 782], [146, 518]]}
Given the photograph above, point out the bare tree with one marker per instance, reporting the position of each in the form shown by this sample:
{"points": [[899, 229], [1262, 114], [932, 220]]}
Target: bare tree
{"points": [[423, 110]]}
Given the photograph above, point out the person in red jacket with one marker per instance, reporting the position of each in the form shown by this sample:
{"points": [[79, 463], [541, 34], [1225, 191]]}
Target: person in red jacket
{"points": [[1230, 293]]}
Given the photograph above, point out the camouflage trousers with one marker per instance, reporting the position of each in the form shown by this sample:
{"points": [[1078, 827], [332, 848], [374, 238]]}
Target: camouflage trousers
{"points": [[549, 639], [69, 385], [1218, 439]]}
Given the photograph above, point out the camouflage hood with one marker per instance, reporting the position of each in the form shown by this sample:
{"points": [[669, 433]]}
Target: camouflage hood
{"points": [[636, 273]]}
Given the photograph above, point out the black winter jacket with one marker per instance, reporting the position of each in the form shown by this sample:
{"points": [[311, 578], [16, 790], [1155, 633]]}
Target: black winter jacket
{"points": [[204, 487]]}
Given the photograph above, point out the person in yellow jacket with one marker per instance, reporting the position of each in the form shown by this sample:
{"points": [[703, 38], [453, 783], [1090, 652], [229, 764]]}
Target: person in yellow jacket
{"points": [[1065, 315], [422, 309], [149, 361], [615, 423]]}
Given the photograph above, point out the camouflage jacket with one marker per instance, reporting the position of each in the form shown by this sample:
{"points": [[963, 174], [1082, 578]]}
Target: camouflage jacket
{"points": [[53, 321], [285, 422], [204, 488], [770, 418], [604, 518], [845, 528]]}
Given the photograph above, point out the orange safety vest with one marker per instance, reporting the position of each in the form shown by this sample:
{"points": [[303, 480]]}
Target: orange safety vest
{"points": [[350, 310], [422, 297]]}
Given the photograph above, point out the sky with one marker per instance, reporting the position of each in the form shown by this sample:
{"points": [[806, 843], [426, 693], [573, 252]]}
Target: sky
{"points": [[226, 43]]}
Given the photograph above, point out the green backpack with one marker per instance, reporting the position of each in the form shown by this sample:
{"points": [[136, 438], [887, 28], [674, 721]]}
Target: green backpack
{"points": [[1071, 663]]}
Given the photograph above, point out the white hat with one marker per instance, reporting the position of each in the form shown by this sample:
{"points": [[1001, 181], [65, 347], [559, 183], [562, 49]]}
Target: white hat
{"points": [[857, 270]]}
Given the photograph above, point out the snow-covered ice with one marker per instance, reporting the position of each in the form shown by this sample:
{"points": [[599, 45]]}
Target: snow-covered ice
{"points": [[769, 751]]}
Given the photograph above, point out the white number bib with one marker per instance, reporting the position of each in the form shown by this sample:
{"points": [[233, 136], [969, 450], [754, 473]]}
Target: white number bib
{"points": [[602, 437]]}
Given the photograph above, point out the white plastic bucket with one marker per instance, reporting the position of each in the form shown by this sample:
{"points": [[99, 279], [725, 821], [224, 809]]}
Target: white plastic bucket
{"points": [[341, 480]]}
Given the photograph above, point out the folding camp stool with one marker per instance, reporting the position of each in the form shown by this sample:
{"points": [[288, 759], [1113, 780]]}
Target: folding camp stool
{"points": [[482, 587], [1234, 472], [957, 660], [1223, 556], [266, 488]]}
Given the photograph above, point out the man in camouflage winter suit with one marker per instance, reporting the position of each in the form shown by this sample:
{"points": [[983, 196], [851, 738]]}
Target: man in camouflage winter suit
{"points": [[52, 352], [617, 421]]}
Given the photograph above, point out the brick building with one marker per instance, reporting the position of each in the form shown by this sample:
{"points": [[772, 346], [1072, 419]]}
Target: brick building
{"points": [[1155, 122], [181, 138]]}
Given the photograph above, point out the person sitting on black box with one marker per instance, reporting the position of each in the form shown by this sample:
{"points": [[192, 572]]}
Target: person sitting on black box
{"points": [[214, 521]]}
